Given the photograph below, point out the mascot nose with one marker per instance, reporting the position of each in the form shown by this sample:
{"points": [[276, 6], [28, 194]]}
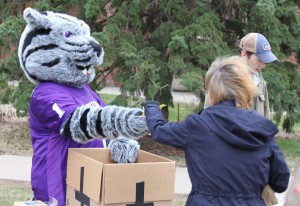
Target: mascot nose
{"points": [[97, 47]]}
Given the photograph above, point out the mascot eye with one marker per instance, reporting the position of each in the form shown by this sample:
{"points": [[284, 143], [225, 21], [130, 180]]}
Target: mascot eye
{"points": [[68, 34]]}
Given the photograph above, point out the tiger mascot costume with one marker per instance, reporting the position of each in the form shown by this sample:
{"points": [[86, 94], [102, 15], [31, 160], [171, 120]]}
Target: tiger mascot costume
{"points": [[57, 52]]}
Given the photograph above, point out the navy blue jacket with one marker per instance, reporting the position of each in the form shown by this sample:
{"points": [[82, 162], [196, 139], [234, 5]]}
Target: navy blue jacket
{"points": [[230, 153]]}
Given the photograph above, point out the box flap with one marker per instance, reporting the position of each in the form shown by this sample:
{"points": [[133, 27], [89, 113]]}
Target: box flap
{"points": [[99, 154], [144, 156], [92, 169], [157, 175]]}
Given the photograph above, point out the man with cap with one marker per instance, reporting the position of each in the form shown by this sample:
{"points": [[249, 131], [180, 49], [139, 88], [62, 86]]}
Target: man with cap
{"points": [[256, 50]]}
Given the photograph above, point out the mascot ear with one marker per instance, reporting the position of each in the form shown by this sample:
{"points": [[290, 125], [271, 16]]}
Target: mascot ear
{"points": [[36, 18]]}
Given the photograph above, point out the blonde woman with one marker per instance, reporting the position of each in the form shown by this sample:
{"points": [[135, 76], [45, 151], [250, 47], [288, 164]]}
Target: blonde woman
{"points": [[230, 150]]}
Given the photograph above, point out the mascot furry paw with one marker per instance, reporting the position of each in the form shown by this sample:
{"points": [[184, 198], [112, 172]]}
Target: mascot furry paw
{"points": [[57, 52]]}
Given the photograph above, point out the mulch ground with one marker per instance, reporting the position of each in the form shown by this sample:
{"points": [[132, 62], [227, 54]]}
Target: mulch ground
{"points": [[15, 139]]}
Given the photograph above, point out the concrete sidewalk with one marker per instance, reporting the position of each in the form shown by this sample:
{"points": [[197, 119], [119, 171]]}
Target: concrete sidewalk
{"points": [[178, 97], [15, 167]]}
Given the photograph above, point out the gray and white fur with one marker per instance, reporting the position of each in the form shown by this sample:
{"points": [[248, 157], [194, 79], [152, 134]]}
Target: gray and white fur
{"points": [[87, 123], [59, 48], [124, 150]]}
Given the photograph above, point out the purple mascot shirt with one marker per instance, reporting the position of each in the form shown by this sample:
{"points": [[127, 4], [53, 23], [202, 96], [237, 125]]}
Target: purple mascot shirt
{"points": [[50, 106]]}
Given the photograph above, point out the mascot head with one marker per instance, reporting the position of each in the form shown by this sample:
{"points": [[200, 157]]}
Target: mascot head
{"points": [[59, 48]]}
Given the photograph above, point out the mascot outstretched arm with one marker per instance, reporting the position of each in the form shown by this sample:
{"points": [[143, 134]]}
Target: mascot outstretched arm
{"points": [[57, 52], [87, 123]]}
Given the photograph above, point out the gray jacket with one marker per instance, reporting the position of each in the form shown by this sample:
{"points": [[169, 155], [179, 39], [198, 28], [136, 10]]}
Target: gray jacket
{"points": [[261, 101]]}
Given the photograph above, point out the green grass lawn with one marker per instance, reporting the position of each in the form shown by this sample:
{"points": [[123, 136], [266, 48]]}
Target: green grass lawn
{"points": [[291, 150], [14, 191], [297, 127], [178, 112]]}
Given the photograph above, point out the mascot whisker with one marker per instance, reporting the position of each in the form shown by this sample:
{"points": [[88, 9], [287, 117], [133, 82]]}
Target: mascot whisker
{"points": [[58, 53]]}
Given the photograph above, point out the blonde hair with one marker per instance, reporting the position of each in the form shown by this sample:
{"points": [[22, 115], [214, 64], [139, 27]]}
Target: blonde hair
{"points": [[229, 78]]}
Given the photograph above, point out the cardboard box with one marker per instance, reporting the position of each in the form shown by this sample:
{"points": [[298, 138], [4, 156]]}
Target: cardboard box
{"points": [[94, 180], [27, 203]]}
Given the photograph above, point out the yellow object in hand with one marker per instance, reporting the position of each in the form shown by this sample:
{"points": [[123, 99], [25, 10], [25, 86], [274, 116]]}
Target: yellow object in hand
{"points": [[160, 106]]}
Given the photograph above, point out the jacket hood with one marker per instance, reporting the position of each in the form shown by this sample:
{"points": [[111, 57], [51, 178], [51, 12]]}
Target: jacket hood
{"points": [[241, 128]]}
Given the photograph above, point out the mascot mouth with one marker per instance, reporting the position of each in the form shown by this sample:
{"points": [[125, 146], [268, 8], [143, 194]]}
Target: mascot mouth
{"points": [[87, 70]]}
